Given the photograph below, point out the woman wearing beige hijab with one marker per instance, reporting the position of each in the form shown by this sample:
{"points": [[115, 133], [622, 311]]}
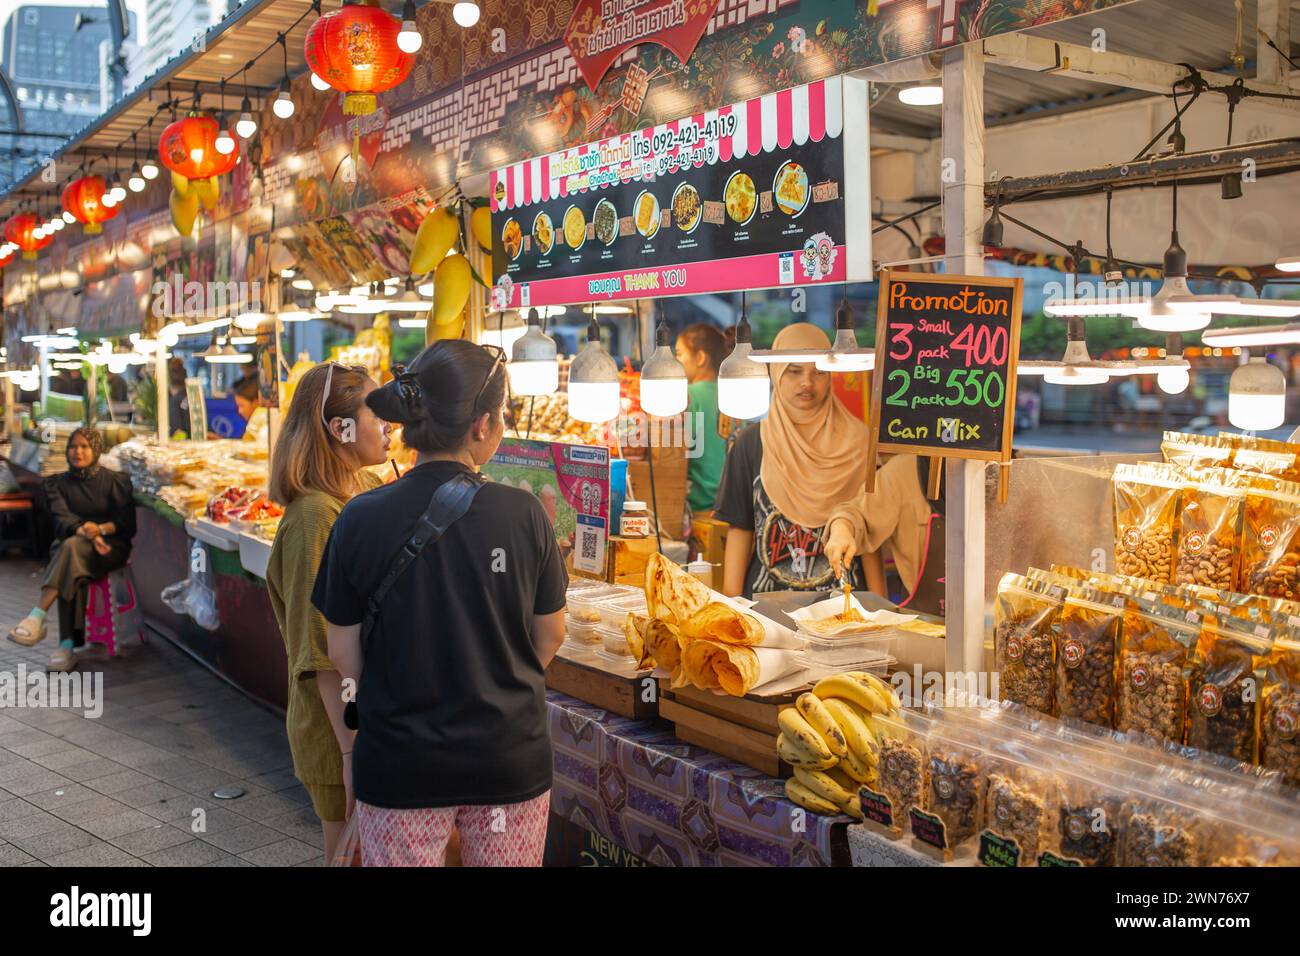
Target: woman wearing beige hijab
{"points": [[784, 477]]}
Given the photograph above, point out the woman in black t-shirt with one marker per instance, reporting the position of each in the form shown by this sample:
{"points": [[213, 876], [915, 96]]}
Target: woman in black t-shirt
{"points": [[451, 702]]}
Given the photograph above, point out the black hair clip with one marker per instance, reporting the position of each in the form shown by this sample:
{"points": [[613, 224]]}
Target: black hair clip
{"points": [[408, 385]]}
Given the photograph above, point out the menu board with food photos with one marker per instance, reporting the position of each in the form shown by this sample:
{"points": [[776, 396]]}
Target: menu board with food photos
{"points": [[754, 195]]}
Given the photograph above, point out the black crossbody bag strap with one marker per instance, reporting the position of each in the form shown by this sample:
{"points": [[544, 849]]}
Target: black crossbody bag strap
{"points": [[448, 505]]}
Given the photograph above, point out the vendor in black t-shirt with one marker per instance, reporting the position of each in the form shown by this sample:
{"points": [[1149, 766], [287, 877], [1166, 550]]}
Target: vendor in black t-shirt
{"points": [[451, 702], [783, 478]]}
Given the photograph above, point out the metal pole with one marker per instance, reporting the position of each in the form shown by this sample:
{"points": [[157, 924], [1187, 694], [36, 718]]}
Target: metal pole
{"points": [[962, 180], [162, 382]]}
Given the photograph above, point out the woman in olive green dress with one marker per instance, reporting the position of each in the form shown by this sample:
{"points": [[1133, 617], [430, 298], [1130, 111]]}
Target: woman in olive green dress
{"points": [[328, 438]]}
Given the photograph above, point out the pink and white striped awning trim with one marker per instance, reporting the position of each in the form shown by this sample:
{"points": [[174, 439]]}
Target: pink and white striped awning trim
{"points": [[779, 120]]}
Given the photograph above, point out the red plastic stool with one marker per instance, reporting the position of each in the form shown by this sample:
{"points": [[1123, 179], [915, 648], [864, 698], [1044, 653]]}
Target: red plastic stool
{"points": [[112, 612]]}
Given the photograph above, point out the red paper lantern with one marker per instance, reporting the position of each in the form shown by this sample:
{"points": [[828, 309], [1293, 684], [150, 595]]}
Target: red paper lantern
{"points": [[20, 231], [84, 198], [354, 49], [189, 147]]}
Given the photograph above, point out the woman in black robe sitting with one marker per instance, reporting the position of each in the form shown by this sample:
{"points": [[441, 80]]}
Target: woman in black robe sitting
{"points": [[94, 521]]}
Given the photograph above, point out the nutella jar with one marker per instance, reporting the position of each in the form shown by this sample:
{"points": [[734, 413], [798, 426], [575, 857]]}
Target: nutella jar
{"points": [[636, 521]]}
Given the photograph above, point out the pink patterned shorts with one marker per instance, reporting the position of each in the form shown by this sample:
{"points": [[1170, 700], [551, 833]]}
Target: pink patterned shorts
{"points": [[509, 835]]}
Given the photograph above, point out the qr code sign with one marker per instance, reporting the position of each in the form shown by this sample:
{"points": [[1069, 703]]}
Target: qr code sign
{"points": [[589, 541], [589, 544]]}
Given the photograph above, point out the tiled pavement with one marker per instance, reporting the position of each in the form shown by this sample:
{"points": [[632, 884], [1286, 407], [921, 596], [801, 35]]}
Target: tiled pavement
{"points": [[122, 789]]}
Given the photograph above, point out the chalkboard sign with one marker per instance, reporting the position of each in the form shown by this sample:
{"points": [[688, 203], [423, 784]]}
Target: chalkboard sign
{"points": [[946, 353], [998, 851]]}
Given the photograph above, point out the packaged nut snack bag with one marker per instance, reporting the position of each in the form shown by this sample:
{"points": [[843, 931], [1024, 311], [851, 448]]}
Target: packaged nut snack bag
{"points": [[1157, 831], [1146, 506], [1022, 639], [1263, 456], [1088, 815], [1279, 720], [1086, 633], [1270, 543], [1266, 839], [1019, 806], [901, 766], [1185, 450], [1224, 679], [1208, 530], [955, 778], [1154, 647]]}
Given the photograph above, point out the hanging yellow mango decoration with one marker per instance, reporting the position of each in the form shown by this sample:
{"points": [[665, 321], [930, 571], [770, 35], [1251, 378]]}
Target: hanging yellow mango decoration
{"points": [[185, 210], [480, 222], [434, 239]]}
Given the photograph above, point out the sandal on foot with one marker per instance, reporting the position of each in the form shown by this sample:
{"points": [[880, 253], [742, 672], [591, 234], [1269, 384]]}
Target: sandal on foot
{"points": [[62, 660], [29, 632]]}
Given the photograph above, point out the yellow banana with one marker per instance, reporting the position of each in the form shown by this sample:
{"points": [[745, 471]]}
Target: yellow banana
{"points": [[821, 721], [845, 687], [859, 736], [796, 756], [857, 768], [882, 688], [799, 731], [822, 785], [808, 799], [842, 777], [853, 807], [435, 237]]}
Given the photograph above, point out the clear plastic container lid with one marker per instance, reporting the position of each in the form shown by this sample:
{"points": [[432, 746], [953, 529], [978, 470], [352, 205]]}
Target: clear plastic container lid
{"points": [[850, 648], [584, 584], [615, 609], [582, 604], [819, 667]]}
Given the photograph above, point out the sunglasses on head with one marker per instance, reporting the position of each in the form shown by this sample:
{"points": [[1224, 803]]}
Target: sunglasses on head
{"points": [[329, 380]]}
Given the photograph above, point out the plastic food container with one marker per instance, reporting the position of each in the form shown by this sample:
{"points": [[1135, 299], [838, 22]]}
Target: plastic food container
{"points": [[615, 609], [850, 649], [581, 604], [582, 634], [817, 668], [613, 643]]}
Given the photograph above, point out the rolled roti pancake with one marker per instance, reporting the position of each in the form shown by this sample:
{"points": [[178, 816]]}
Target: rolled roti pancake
{"points": [[670, 593], [653, 642], [720, 622], [711, 665]]}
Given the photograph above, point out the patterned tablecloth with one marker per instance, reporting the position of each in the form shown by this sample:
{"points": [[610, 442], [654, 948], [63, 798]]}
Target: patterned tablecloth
{"points": [[673, 804]]}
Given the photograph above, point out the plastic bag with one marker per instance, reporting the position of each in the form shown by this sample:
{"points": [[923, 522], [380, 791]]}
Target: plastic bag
{"points": [[348, 850], [1270, 551], [901, 765], [1187, 451], [1086, 632], [1208, 535], [1022, 640], [1279, 723], [195, 596], [1146, 507], [1223, 688], [1152, 698]]}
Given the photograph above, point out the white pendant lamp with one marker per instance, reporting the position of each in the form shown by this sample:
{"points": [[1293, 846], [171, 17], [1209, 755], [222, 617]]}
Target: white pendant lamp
{"points": [[505, 331], [319, 84], [663, 379], [1174, 308], [409, 39], [845, 354], [921, 94], [1077, 367], [533, 367], [465, 14], [410, 300], [744, 389], [593, 381], [1257, 396], [1289, 262]]}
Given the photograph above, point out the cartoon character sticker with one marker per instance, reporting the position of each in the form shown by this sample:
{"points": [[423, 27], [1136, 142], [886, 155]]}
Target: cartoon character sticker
{"points": [[819, 255]]}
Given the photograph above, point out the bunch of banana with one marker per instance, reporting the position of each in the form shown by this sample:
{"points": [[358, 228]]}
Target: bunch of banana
{"points": [[830, 740]]}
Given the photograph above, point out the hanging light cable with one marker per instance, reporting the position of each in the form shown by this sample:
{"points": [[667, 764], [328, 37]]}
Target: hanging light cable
{"points": [[283, 105], [246, 126]]}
